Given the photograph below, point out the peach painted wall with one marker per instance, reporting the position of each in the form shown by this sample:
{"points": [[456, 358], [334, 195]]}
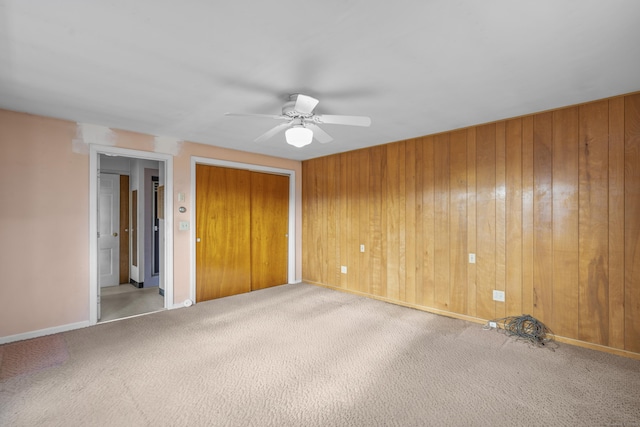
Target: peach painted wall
{"points": [[44, 218], [44, 225]]}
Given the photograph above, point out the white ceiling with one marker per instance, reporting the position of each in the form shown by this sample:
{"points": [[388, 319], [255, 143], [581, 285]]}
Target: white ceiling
{"points": [[173, 68]]}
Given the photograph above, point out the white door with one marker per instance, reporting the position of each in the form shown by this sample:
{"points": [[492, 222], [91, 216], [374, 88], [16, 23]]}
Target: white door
{"points": [[108, 227]]}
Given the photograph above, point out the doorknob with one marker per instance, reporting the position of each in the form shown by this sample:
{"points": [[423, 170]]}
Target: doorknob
{"points": [[115, 234]]}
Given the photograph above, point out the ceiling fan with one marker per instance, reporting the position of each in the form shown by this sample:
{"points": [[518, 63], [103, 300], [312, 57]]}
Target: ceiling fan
{"points": [[301, 123]]}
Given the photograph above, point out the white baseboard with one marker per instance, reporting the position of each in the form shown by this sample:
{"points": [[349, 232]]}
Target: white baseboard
{"points": [[43, 332]]}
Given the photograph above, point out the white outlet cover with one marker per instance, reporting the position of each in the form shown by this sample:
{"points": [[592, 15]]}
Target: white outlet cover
{"points": [[343, 269], [184, 225], [472, 258], [498, 296]]}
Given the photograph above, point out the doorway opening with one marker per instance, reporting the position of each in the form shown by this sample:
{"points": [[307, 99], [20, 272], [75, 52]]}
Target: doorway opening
{"points": [[131, 256]]}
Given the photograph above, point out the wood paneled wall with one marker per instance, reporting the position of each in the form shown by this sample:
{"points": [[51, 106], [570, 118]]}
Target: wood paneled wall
{"points": [[549, 203]]}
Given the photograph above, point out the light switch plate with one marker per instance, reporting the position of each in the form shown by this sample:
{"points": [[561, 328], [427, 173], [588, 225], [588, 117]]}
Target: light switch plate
{"points": [[472, 258], [183, 226], [343, 269], [498, 296]]}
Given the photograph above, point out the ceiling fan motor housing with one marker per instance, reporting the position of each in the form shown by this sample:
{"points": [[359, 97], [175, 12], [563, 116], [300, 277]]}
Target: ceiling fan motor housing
{"points": [[289, 108]]}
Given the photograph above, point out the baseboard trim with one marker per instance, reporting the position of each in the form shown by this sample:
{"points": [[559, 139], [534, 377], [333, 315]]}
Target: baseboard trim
{"points": [[44, 332], [136, 284], [570, 341]]}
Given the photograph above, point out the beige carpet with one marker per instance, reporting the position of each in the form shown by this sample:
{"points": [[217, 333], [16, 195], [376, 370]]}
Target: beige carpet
{"points": [[300, 355], [30, 356]]}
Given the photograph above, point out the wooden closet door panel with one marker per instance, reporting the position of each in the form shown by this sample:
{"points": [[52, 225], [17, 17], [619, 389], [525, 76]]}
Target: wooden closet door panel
{"points": [[223, 209], [269, 228], [124, 229]]}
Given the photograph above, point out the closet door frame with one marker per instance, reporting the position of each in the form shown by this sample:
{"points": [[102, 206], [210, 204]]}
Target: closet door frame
{"points": [[291, 259]]}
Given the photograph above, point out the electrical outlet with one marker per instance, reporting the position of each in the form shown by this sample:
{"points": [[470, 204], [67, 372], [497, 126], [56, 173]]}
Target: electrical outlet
{"points": [[183, 225], [493, 325], [498, 296], [343, 269], [472, 258], [361, 248]]}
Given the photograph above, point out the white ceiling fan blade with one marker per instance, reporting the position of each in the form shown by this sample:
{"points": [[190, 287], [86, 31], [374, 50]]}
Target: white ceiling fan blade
{"points": [[319, 134], [272, 132], [305, 104], [344, 120], [265, 116]]}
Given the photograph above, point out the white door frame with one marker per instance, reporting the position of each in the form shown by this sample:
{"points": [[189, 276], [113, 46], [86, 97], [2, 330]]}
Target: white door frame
{"points": [[167, 159], [291, 258]]}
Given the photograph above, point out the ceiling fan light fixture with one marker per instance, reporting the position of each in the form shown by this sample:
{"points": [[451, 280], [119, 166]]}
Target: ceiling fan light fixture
{"points": [[301, 123], [298, 136]]}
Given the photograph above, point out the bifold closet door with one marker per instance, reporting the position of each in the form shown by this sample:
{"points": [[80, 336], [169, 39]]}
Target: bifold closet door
{"points": [[242, 221], [269, 228], [223, 224]]}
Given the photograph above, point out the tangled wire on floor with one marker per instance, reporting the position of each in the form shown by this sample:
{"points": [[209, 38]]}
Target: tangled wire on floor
{"points": [[524, 327]]}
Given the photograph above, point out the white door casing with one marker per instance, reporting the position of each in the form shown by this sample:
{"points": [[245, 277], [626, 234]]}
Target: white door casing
{"points": [[95, 151], [108, 228]]}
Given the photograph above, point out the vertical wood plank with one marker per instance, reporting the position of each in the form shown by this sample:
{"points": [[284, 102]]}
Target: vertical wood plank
{"points": [[471, 219], [410, 221], [486, 222], [428, 219], [542, 218], [513, 206], [343, 223], [420, 231], [616, 222], [458, 222], [351, 170], [322, 221], [402, 218], [333, 262], [593, 302], [363, 220], [632, 222], [565, 222], [527, 215], [442, 252], [377, 221], [124, 226], [501, 216], [134, 226], [309, 215], [395, 218]]}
